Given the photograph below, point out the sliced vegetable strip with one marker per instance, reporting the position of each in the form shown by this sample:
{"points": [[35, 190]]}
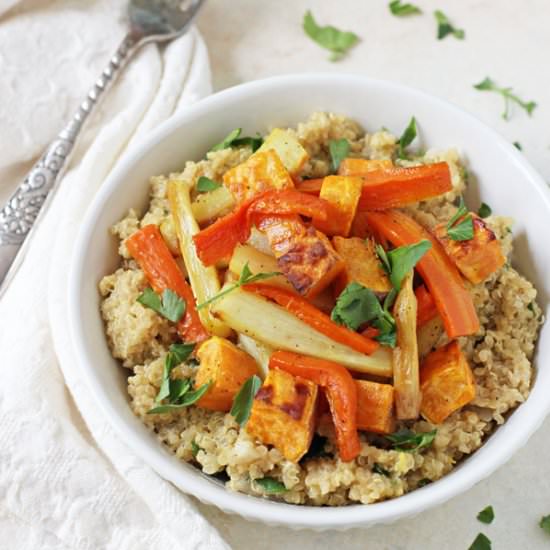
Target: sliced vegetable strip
{"points": [[219, 239], [311, 187], [152, 254], [394, 187], [315, 318], [452, 299], [426, 309], [362, 167], [340, 390]]}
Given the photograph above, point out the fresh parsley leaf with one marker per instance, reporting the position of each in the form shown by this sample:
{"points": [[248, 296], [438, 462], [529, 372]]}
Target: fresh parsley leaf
{"points": [[242, 403], [517, 145], [408, 441], [488, 85], [484, 210], [331, 38], [481, 542], [464, 230], [253, 142], [377, 469], [188, 398], [195, 448], [487, 515], [181, 351], [402, 10], [170, 305], [339, 150], [544, 523], [226, 142], [399, 261], [178, 388], [407, 138], [461, 211], [164, 391], [445, 28], [245, 277], [205, 185], [271, 486]]}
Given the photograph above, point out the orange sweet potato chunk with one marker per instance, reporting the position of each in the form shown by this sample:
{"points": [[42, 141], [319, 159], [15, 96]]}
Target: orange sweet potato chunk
{"points": [[263, 171], [375, 407], [283, 414], [361, 167], [228, 367], [446, 381], [476, 258]]}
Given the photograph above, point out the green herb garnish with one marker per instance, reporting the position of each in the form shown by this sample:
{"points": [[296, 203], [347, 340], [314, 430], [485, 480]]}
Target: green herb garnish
{"points": [[233, 139], [487, 515], [271, 486], [445, 28], [227, 140], [402, 10], [408, 441], [484, 210], [481, 542], [407, 138], [205, 185], [242, 403], [339, 150], [246, 277], [188, 398], [464, 229], [489, 85], [195, 448], [377, 469], [423, 482], [544, 523], [517, 145], [170, 305], [177, 354], [331, 38]]}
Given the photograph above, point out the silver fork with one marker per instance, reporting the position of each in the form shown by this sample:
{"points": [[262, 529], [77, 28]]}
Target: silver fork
{"points": [[148, 21]]}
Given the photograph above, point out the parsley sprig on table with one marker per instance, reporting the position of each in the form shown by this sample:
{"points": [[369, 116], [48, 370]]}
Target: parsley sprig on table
{"points": [[403, 10], [487, 515], [444, 27], [488, 85], [481, 542]]}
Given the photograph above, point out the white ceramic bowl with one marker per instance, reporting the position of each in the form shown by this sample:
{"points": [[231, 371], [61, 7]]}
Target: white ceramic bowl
{"points": [[506, 182]]}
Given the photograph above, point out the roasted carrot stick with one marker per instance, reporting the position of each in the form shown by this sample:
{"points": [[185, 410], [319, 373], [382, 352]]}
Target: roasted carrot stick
{"points": [[152, 254], [340, 389], [315, 318], [452, 299], [426, 309]]}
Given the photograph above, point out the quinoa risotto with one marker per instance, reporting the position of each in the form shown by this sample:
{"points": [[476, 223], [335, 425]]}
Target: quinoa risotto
{"points": [[498, 355]]}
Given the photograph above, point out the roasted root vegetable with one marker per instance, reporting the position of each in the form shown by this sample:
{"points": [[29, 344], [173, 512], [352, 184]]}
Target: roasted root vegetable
{"points": [[208, 206], [426, 309], [260, 352], [168, 232], [362, 265], [288, 148], [428, 336], [405, 355], [476, 258], [452, 299], [343, 193], [375, 407], [315, 318], [152, 254], [227, 368], [311, 186], [447, 383], [394, 187], [340, 390], [283, 413], [362, 167], [273, 325], [204, 280], [263, 171]]}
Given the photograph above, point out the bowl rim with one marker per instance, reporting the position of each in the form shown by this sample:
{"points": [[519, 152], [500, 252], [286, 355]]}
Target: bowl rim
{"points": [[531, 413]]}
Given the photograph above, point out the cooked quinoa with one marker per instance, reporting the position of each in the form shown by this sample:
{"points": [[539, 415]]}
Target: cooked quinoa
{"points": [[500, 353]]}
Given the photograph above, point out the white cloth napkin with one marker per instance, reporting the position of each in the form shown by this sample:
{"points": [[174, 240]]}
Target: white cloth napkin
{"points": [[66, 480]]}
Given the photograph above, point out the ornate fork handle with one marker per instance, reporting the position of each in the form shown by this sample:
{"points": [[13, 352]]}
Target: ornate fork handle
{"points": [[20, 213]]}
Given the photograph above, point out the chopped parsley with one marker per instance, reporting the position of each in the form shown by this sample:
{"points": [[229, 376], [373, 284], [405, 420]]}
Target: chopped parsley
{"points": [[408, 441], [339, 150], [444, 27], [271, 486], [487, 515], [481, 542], [517, 145], [377, 469], [169, 305], [195, 448], [464, 229], [407, 138], [402, 10], [187, 398], [254, 142], [484, 210], [488, 85], [233, 139], [205, 185], [242, 403], [336, 41], [544, 523]]}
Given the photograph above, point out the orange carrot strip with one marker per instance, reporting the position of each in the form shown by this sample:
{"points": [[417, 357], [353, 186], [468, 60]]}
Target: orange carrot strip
{"points": [[452, 299], [152, 254], [425, 304], [340, 389], [315, 318], [311, 187], [362, 167]]}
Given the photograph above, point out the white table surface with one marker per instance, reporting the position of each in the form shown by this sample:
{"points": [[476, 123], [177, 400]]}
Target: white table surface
{"points": [[505, 39]]}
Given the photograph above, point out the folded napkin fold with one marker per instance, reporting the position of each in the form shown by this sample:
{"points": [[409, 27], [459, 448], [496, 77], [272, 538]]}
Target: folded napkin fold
{"points": [[66, 479]]}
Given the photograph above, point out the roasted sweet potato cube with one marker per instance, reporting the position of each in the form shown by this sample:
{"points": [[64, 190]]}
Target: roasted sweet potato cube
{"points": [[476, 258], [446, 381], [343, 192], [362, 265], [283, 414], [361, 167], [261, 172], [228, 367], [375, 410], [304, 255], [288, 148]]}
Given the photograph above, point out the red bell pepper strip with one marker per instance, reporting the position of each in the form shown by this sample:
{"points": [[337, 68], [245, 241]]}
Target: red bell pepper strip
{"points": [[452, 299], [340, 390], [152, 254], [426, 309], [315, 318]]}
